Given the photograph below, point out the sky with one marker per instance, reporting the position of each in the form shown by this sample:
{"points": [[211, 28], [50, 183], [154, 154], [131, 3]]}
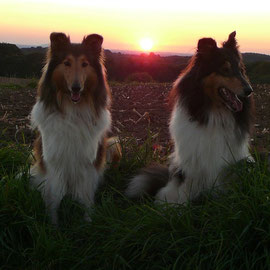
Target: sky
{"points": [[171, 25]]}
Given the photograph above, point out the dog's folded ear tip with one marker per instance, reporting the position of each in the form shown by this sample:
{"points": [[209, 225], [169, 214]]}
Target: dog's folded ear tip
{"points": [[232, 34], [54, 35], [231, 42], [93, 42], [93, 38], [205, 44], [59, 38]]}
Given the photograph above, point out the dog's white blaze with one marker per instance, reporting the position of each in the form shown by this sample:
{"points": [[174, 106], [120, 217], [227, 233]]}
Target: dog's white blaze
{"points": [[70, 142], [202, 151]]}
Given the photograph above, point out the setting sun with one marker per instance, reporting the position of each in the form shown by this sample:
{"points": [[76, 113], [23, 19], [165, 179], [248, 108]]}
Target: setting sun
{"points": [[146, 44], [158, 26]]}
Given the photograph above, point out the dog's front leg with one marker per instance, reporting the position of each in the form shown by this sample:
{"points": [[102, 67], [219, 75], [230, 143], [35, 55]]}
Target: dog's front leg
{"points": [[53, 194]]}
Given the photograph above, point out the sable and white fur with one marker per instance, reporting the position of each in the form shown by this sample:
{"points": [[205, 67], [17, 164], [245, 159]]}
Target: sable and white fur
{"points": [[71, 147], [201, 153], [69, 153], [208, 135]]}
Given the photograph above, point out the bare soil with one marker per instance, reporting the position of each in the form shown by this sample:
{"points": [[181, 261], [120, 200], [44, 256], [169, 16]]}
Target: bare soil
{"points": [[136, 110]]}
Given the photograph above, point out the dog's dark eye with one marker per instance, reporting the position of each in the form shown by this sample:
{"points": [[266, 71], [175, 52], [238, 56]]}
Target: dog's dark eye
{"points": [[67, 64], [84, 64]]}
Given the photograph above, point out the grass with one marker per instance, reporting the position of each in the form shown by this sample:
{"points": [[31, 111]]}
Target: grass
{"points": [[33, 83], [17, 84], [11, 86], [229, 231]]}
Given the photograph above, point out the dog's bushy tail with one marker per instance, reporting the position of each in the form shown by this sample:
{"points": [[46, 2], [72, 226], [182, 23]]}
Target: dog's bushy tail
{"points": [[149, 181]]}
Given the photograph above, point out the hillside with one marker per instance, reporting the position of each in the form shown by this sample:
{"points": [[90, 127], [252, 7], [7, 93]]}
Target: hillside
{"points": [[28, 62], [255, 57]]}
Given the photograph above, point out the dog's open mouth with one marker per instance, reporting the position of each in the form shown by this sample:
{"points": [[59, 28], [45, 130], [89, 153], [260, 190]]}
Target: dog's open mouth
{"points": [[75, 97], [231, 100]]}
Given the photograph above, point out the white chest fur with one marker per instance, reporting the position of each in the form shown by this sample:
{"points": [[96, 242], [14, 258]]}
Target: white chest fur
{"points": [[203, 150], [70, 143], [70, 140]]}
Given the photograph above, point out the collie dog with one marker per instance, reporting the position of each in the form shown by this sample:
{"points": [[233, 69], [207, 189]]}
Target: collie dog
{"points": [[210, 125], [72, 117]]}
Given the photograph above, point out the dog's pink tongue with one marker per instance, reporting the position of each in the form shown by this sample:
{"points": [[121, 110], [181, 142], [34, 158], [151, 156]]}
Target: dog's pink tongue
{"points": [[236, 104], [75, 97]]}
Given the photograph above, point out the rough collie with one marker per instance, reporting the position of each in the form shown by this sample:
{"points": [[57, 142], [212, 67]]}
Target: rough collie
{"points": [[72, 117], [210, 125]]}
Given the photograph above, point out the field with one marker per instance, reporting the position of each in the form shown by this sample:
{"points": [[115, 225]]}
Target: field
{"points": [[136, 108], [230, 231]]}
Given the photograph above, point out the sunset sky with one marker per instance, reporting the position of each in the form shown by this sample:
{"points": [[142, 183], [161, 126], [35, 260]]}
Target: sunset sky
{"points": [[172, 26]]}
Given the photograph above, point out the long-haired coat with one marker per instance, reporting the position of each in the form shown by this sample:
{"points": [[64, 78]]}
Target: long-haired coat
{"points": [[210, 125], [72, 117]]}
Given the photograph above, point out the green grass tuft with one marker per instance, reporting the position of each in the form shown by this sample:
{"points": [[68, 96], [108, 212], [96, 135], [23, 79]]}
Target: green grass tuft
{"points": [[12, 157], [228, 231], [32, 84], [11, 86]]}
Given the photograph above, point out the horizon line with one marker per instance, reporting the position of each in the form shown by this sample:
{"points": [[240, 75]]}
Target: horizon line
{"points": [[125, 51]]}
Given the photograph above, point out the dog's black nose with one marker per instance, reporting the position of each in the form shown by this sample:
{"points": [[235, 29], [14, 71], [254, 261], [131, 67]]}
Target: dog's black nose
{"points": [[248, 90], [76, 87]]}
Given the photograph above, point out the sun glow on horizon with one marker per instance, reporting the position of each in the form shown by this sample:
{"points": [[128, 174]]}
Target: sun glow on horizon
{"points": [[146, 44], [170, 26]]}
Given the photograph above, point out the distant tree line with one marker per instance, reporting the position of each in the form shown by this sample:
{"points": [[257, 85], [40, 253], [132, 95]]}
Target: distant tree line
{"points": [[14, 63], [259, 72], [28, 62], [124, 67]]}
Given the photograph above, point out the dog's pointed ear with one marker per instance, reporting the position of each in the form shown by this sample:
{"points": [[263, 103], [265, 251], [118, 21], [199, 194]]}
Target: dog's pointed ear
{"points": [[59, 41], [93, 43], [206, 45], [231, 42]]}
